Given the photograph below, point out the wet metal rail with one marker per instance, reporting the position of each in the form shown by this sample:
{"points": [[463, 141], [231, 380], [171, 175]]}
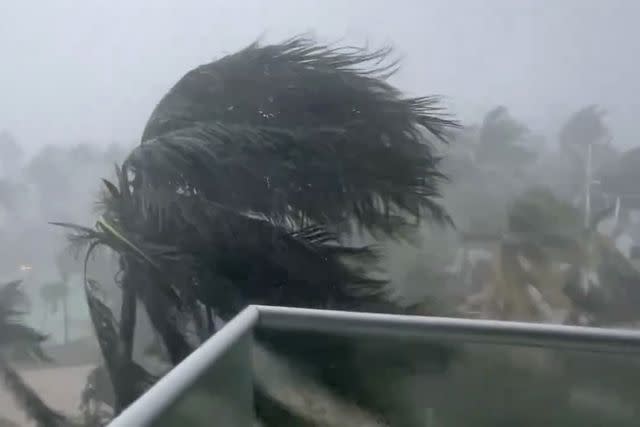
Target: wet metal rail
{"points": [[150, 408]]}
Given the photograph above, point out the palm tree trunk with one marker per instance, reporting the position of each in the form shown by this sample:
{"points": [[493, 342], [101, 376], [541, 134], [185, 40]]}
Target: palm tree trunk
{"points": [[28, 399], [45, 315], [65, 319], [210, 324], [127, 329]]}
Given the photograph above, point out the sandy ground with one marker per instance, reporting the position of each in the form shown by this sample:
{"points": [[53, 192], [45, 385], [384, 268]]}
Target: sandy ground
{"points": [[59, 386]]}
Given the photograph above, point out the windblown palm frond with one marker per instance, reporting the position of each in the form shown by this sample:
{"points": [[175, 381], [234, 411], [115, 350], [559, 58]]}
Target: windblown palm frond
{"points": [[297, 131], [584, 127], [246, 151], [132, 380], [500, 140], [13, 332]]}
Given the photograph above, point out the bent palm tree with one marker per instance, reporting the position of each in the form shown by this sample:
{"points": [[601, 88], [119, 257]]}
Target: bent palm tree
{"points": [[251, 172], [586, 131], [13, 332], [501, 141]]}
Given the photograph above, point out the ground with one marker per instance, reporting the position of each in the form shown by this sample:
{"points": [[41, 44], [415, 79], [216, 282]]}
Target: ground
{"points": [[59, 386]]}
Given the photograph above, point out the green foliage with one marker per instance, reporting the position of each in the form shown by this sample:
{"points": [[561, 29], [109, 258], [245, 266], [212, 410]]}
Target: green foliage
{"points": [[541, 219], [501, 141], [538, 210], [584, 127], [252, 171]]}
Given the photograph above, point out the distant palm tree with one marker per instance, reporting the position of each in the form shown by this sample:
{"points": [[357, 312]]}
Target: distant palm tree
{"points": [[11, 154], [488, 165], [501, 141], [585, 140], [12, 333], [252, 172], [584, 127]]}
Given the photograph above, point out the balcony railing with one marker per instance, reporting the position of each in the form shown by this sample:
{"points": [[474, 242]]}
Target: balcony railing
{"points": [[565, 376]]}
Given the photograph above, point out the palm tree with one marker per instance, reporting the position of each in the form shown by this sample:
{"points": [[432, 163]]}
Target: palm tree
{"points": [[12, 333], [502, 141], [11, 154], [488, 165], [585, 140], [252, 171], [583, 128]]}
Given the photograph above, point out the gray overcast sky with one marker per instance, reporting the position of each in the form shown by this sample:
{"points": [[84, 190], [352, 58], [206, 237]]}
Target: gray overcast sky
{"points": [[93, 70]]}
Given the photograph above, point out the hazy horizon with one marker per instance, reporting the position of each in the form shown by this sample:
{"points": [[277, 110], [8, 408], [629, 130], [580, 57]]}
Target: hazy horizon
{"points": [[92, 71]]}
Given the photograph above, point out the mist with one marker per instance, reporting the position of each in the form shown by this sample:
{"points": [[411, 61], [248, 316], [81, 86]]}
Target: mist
{"points": [[80, 79], [544, 93], [91, 71]]}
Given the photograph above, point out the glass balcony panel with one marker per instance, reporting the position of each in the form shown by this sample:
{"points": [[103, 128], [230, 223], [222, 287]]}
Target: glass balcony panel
{"points": [[409, 382], [310, 368]]}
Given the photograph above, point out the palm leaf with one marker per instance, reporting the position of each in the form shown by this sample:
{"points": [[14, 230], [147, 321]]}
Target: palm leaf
{"points": [[289, 126], [29, 400], [130, 380], [12, 333], [12, 330], [251, 171], [584, 127]]}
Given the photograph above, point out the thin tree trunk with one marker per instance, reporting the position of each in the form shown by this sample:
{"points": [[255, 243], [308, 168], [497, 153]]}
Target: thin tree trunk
{"points": [[210, 325], [200, 322], [65, 318], [45, 314], [28, 400], [125, 351]]}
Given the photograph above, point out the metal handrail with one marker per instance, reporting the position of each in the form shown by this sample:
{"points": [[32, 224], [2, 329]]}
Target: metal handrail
{"points": [[168, 390], [450, 329], [145, 410]]}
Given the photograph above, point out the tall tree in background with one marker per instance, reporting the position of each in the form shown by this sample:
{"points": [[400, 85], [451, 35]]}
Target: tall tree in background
{"points": [[492, 170], [501, 141], [584, 127], [251, 171], [11, 154]]}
